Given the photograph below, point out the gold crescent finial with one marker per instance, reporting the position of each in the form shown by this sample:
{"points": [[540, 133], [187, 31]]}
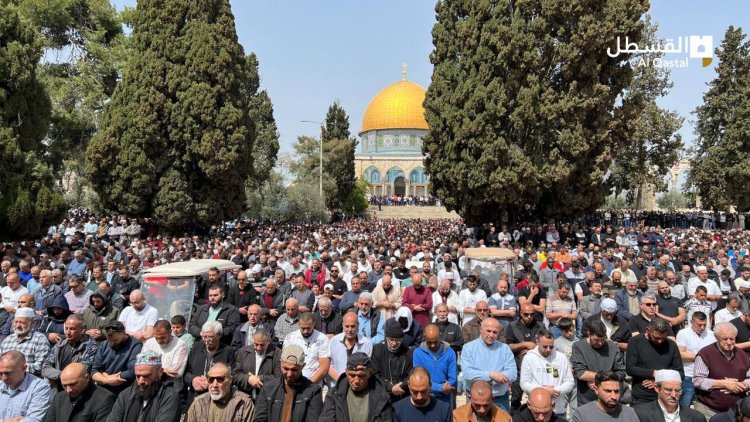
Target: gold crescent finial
{"points": [[403, 71]]}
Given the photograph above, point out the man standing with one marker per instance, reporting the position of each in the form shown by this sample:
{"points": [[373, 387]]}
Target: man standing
{"points": [[209, 349], [648, 352], [46, 293], [419, 301], [32, 344], [419, 406], [471, 330], [628, 300], [359, 396], [392, 361], [592, 355], [670, 307], [503, 305], [490, 360], [98, 315], [291, 397], [468, 299], [712, 289], [288, 322], [222, 402], [216, 310], [386, 298], [546, 368], [315, 345], [22, 395], [449, 332], [667, 406], [720, 374], [256, 364], [149, 398], [440, 361], [446, 296], [520, 338], [78, 296], [560, 306], [346, 343], [607, 406], [371, 323], [80, 399], [327, 321], [480, 407], [639, 322], [243, 334], [691, 341]]}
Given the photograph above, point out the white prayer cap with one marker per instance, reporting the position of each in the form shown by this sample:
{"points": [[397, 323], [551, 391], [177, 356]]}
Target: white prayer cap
{"points": [[25, 313], [668, 375], [608, 305], [448, 276], [744, 284]]}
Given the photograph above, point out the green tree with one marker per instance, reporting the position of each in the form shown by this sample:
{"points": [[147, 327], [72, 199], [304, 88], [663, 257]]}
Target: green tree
{"points": [[720, 166], [653, 143], [176, 140], [525, 107], [84, 50], [672, 200], [338, 156], [28, 201], [266, 145]]}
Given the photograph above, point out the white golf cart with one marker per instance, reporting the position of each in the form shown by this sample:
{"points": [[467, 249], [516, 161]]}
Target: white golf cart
{"points": [[170, 288], [491, 263]]}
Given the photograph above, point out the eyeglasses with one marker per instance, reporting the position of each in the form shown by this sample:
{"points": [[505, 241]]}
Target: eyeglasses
{"points": [[220, 380], [527, 313], [482, 310], [672, 390], [648, 304]]}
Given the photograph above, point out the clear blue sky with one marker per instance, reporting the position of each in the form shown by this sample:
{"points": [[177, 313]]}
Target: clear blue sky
{"points": [[312, 53]]}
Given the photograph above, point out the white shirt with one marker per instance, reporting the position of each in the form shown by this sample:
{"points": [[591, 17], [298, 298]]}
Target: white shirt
{"points": [[710, 285], [173, 356], [469, 299], [670, 417], [315, 347], [725, 315], [10, 296], [135, 321], [693, 343]]}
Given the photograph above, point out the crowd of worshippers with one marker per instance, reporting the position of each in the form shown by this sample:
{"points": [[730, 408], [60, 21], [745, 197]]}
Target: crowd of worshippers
{"points": [[329, 322]]}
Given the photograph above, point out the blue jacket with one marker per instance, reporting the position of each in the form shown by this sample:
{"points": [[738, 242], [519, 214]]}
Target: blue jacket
{"points": [[122, 360], [441, 366], [56, 324], [478, 360], [623, 309]]}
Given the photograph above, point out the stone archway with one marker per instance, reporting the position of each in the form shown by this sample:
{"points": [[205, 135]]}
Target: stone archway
{"points": [[399, 186]]}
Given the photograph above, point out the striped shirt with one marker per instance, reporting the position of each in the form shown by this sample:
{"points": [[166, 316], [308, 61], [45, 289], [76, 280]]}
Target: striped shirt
{"points": [[31, 399], [557, 305], [78, 303], [34, 347]]}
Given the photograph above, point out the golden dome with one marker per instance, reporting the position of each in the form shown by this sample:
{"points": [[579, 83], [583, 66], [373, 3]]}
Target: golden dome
{"points": [[398, 106]]}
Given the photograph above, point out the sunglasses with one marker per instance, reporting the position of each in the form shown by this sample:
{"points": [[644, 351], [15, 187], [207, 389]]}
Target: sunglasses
{"points": [[220, 380], [648, 304]]}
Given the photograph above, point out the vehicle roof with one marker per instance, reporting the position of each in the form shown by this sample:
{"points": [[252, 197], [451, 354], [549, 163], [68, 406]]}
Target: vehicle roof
{"points": [[190, 268], [490, 254]]}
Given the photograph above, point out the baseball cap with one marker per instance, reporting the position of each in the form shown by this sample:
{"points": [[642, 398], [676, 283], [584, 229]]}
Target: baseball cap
{"points": [[293, 354], [358, 361]]}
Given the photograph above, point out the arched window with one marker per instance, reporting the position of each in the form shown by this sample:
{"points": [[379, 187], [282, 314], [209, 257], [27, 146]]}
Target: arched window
{"points": [[372, 175], [392, 174], [417, 176]]}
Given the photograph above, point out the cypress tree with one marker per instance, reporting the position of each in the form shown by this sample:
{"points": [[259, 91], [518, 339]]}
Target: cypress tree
{"points": [[28, 201], [338, 156], [266, 145], [176, 140], [721, 165], [524, 104]]}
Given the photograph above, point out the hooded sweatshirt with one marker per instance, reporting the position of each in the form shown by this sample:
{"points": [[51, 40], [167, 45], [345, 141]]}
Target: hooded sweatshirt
{"points": [[98, 319], [555, 370], [56, 324], [441, 365], [413, 334]]}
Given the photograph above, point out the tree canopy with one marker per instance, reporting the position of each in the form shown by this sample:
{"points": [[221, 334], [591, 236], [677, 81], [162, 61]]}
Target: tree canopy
{"points": [[720, 167], [176, 141], [525, 107], [28, 201]]}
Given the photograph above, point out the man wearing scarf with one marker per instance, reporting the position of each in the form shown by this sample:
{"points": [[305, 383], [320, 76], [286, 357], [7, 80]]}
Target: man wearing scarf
{"points": [[151, 397]]}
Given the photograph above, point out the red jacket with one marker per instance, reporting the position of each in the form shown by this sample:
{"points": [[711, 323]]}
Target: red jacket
{"points": [[321, 277]]}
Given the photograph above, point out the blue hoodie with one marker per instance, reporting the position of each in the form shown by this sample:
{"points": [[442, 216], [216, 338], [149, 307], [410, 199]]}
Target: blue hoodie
{"points": [[441, 365]]}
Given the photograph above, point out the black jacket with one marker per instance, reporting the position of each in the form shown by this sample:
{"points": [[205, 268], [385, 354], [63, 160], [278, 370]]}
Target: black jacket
{"points": [[335, 323], [228, 316], [524, 415], [392, 368], [164, 407], [307, 406], [93, 405], [198, 362], [451, 333], [277, 303], [244, 364], [651, 412], [240, 334], [336, 407], [248, 297], [121, 289]]}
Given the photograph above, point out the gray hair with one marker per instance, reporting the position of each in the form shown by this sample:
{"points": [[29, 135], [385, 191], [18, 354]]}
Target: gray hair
{"points": [[212, 327], [725, 326], [262, 333], [649, 296], [324, 301]]}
